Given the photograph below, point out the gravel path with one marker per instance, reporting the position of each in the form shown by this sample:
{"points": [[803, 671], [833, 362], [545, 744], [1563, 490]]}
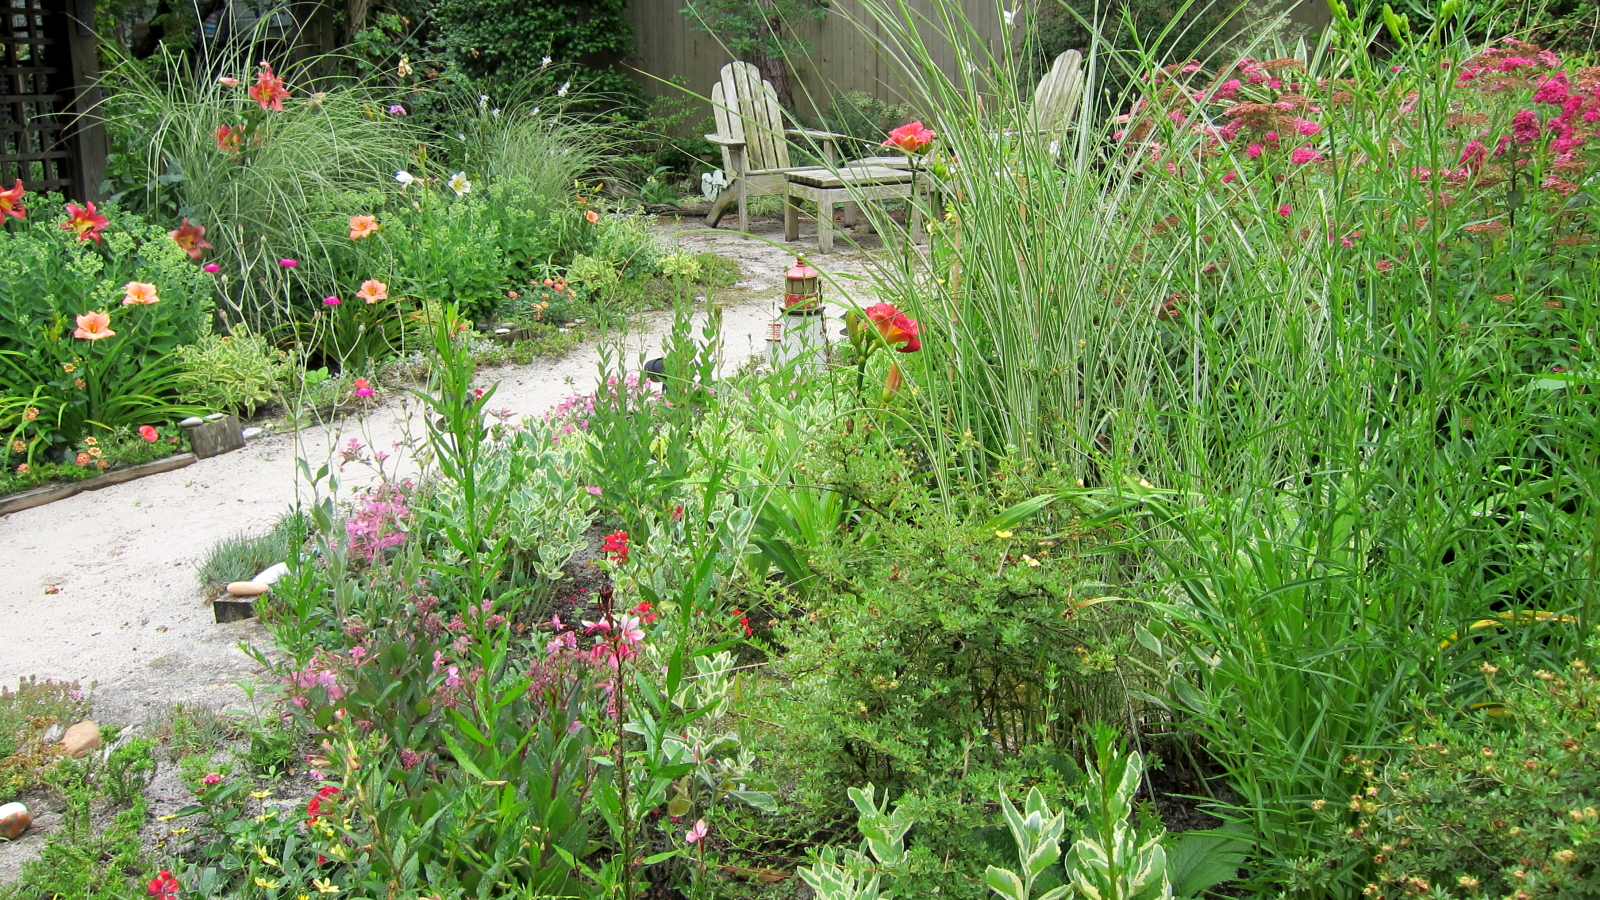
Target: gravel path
{"points": [[129, 615]]}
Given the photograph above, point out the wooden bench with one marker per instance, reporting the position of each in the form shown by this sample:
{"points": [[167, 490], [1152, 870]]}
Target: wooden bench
{"points": [[827, 189]]}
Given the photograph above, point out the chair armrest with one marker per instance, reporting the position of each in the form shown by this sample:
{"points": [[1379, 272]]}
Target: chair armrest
{"points": [[722, 140], [814, 134]]}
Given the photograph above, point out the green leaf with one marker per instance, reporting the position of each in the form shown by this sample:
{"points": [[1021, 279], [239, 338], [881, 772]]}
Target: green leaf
{"points": [[1012, 516], [1005, 883]]}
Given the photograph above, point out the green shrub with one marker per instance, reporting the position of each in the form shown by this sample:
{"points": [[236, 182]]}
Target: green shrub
{"points": [[236, 373], [864, 120], [1497, 800]]}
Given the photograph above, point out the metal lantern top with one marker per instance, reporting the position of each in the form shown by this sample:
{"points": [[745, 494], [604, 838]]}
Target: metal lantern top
{"points": [[801, 293]]}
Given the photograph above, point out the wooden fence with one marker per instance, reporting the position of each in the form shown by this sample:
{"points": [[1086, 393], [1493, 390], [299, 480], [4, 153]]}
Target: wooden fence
{"points": [[846, 54]]}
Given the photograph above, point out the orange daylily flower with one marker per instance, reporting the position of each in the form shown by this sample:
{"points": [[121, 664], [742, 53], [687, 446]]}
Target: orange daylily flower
{"points": [[85, 221], [191, 238], [11, 202], [138, 293], [94, 326], [229, 138], [362, 226], [268, 89], [373, 290]]}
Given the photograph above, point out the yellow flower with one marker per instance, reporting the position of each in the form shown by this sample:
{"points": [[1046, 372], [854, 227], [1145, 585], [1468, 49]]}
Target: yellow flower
{"points": [[260, 795], [166, 818], [325, 886], [264, 883], [262, 852], [1030, 560], [1003, 535], [184, 830]]}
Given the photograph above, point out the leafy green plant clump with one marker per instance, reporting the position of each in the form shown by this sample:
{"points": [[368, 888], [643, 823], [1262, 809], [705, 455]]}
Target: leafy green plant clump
{"points": [[1496, 801]]}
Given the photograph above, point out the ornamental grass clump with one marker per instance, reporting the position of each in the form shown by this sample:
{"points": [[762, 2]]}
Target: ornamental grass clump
{"points": [[1318, 324]]}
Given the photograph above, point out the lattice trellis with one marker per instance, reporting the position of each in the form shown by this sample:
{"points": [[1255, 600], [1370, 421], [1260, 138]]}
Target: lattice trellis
{"points": [[35, 82]]}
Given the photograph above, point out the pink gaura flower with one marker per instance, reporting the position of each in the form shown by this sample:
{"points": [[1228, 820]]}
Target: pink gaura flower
{"points": [[697, 833]]}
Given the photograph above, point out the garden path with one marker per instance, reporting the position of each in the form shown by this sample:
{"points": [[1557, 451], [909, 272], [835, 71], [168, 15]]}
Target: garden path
{"points": [[128, 613]]}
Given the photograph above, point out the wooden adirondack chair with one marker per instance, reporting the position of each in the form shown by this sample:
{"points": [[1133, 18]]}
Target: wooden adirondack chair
{"points": [[1055, 103], [754, 140]]}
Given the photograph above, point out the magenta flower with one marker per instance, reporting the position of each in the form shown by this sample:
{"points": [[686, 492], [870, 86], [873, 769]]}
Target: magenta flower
{"points": [[1303, 155], [1525, 127], [1253, 151], [212, 778], [288, 263], [1285, 209], [1230, 177], [397, 110], [330, 301], [211, 268]]}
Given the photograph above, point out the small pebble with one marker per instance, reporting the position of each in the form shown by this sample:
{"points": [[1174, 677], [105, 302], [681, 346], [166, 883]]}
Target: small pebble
{"points": [[249, 433]]}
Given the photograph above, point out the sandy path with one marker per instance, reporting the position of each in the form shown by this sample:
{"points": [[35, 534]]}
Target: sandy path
{"points": [[129, 615]]}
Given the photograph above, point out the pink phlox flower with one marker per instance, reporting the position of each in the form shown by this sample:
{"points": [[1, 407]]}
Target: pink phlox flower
{"points": [[566, 640], [1513, 63], [438, 660]]}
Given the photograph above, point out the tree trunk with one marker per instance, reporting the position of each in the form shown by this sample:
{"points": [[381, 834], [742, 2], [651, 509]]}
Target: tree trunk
{"points": [[776, 70]]}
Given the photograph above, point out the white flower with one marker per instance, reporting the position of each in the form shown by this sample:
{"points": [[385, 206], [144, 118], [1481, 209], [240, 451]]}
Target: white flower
{"points": [[1011, 17], [404, 68], [544, 61], [404, 177], [562, 91], [460, 184], [483, 101], [1055, 149], [534, 111], [460, 136], [495, 112]]}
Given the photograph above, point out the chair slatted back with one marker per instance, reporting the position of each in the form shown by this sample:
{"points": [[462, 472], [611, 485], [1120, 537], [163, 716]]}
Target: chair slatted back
{"points": [[747, 108], [1055, 100]]}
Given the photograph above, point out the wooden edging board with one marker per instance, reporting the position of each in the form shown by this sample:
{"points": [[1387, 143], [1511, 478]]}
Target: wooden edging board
{"points": [[52, 493]]}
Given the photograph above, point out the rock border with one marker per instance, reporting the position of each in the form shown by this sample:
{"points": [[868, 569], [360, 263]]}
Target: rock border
{"points": [[51, 493]]}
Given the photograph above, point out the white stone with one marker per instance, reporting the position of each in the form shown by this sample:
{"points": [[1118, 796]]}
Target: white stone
{"points": [[271, 574], [502, 331], [191, 422], [249, 433], [215, 417]]}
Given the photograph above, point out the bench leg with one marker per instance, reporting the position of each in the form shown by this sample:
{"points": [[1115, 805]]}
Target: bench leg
{"points": [[852, 213], [744, 206], [791, 217], [825, 204]]}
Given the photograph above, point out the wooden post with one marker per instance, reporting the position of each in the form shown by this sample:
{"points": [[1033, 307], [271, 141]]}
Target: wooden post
{"points": [[214, 437]]}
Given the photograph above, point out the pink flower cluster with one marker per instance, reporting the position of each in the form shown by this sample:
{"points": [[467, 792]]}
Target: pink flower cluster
{"points": [[378, 521]]}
